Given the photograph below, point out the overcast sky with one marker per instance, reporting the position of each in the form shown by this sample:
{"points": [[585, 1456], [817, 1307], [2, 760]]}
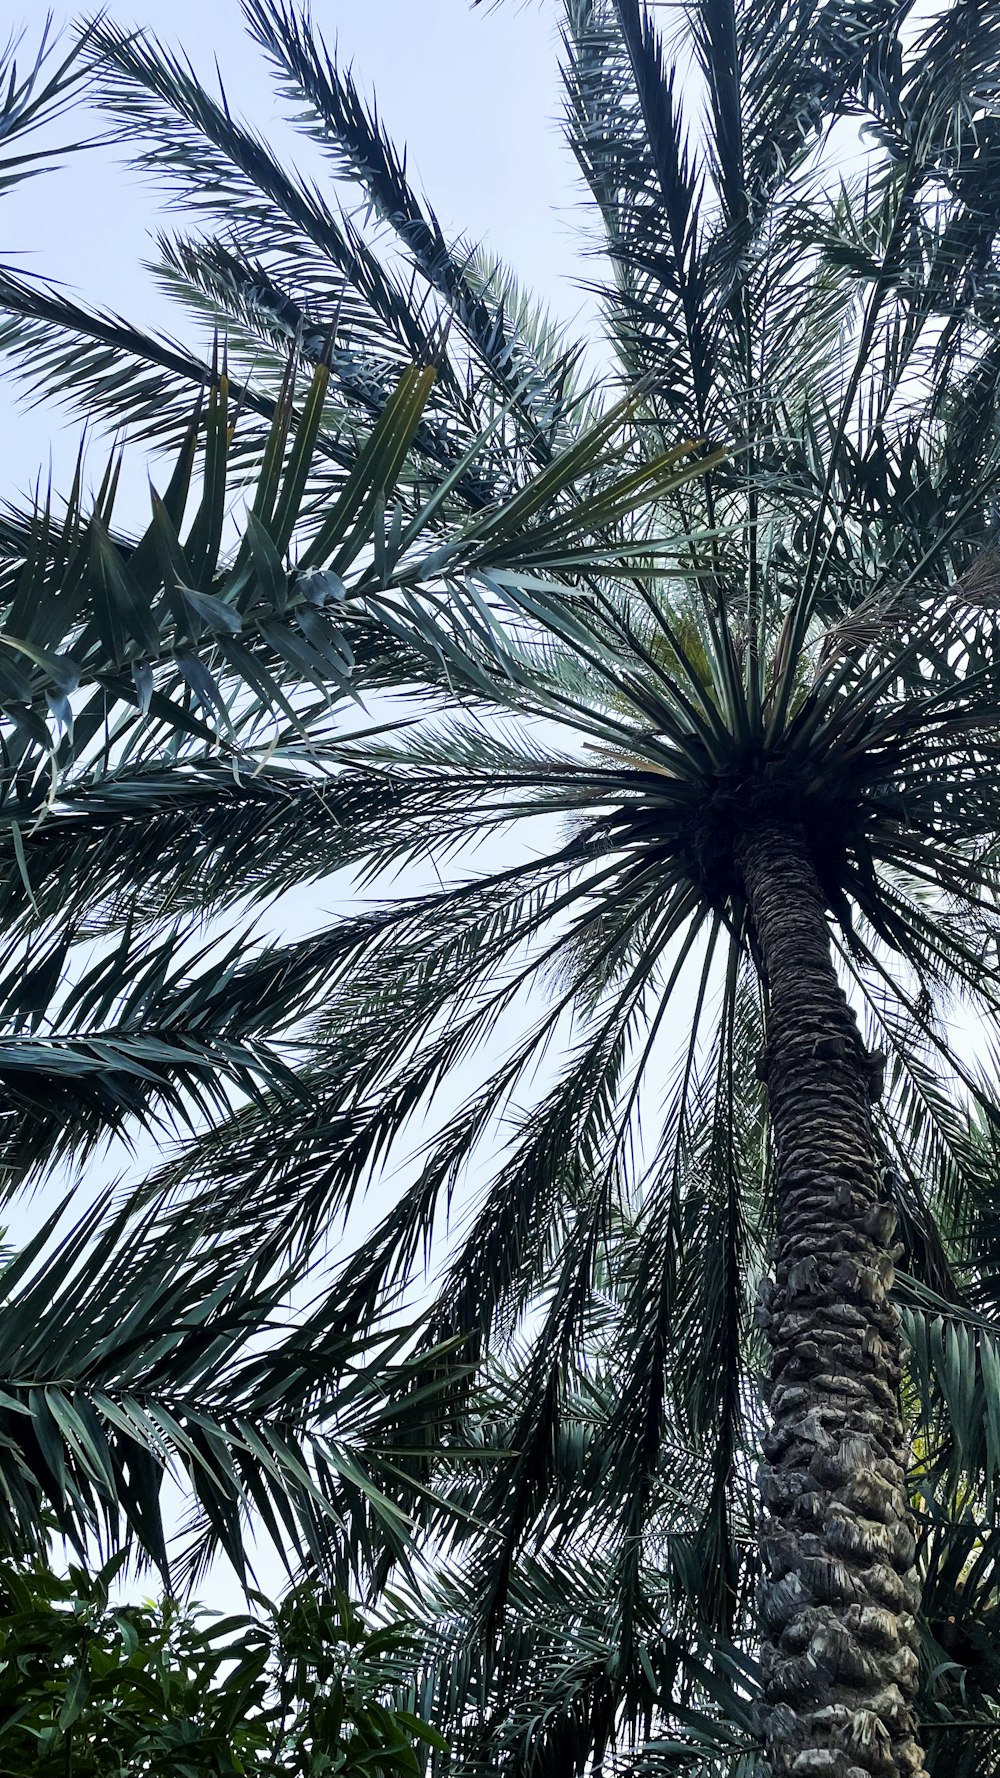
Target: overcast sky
{"points": [[473, 94]]}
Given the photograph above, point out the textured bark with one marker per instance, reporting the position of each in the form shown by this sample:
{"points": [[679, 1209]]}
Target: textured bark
{"points": [[839, 1590]]}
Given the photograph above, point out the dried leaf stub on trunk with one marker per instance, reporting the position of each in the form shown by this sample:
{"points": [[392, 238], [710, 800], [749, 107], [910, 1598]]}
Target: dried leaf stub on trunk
{"points": [[840, 1591]]}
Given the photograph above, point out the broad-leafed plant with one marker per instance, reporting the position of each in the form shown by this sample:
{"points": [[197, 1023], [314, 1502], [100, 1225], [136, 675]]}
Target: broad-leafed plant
{"points": [[92, 1685]]}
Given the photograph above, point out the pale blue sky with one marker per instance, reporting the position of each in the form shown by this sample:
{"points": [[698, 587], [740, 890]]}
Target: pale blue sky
{"points": [[473, 94]]}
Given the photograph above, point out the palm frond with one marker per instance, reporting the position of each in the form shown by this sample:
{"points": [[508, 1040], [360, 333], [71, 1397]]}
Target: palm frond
{"points": [[32, 98], [128, 1356]]}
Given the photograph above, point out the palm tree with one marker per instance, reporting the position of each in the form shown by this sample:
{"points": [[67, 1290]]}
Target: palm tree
{"points": [[171, 714], [747, 716]]}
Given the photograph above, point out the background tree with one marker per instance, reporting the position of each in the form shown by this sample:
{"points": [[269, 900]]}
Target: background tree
{"points": [[95, 1689]]}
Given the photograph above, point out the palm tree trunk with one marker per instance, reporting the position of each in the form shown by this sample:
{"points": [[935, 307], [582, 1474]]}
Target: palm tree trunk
{"points": [[839, 1590]]}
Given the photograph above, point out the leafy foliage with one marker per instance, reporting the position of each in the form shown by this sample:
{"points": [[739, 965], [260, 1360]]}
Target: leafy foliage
{"points": [[94, 1687], [134, 1350], [171, 719]]}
